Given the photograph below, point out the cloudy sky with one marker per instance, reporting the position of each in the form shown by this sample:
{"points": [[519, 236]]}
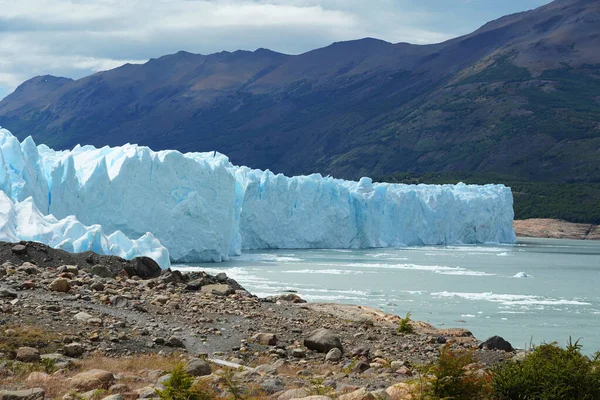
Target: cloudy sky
{"points": [[74, 38]]}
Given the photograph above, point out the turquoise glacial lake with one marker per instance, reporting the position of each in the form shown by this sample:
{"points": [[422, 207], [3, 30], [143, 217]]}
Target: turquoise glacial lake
{"points": [[539, 290]]}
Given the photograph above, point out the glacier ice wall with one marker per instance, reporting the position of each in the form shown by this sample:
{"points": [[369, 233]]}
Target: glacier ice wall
{"points": [[203, 208], [23, 221]]}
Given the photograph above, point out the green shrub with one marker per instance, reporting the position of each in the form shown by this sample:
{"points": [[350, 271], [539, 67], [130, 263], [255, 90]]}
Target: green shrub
{"points": [[450, 378], [180, 386], [405, 326], [549, 372]]}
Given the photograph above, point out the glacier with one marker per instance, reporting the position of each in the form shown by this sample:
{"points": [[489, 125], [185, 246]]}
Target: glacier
{"points": [[202, 208]]}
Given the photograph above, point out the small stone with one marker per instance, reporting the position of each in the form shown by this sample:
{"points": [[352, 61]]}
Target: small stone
{"points": [[28, 354], [266, 339], [28, 394], [293, 394], [221, 277], [175, 342], [97, 286], [60, 285], [360, 394], [102, 271], [114, 397], [19, 249], [219, 290], [118, 301], [334, 354], [162, 299], [298, 353], [7, 293], [73, 350]]}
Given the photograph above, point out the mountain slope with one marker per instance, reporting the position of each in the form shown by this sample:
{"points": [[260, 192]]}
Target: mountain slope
{"points": [[520, 96]]}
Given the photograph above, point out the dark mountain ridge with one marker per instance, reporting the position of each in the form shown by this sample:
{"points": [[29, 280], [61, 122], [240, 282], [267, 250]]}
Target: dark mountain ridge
{"points": [[520, 96]]}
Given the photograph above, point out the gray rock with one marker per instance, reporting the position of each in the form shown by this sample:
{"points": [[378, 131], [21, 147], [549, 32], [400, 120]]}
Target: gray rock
{"points": [[298, 353], [220, 289], [175, 342], [496, 343], [293, 394], [197, 284], [114, 397], [73, 350], [197, 367], [102, 271], [334, 354], [28, 354], [19, 249], [60, 361], [266, 339], [272, 385], [7, 293], [323, 340], [144, 267], [60, 285], [97, 286], [221, 277], [29, 394], [119, 301]]}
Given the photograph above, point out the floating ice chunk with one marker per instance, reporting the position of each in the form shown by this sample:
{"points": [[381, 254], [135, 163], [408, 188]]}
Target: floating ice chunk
{"points": [[522, 275]]}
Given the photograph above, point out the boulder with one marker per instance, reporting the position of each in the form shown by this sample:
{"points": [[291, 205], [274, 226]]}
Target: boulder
{"points": [[399, 391], [144, 267], [197, 367], [92, 379], [360, 394], [293, 394], [60, 285], [266, 339], [496, 343], [29, 394], [323, 340], [28, 354]]}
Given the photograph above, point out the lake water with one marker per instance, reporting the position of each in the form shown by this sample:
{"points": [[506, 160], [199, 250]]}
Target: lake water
{"points": [[537, 290]]}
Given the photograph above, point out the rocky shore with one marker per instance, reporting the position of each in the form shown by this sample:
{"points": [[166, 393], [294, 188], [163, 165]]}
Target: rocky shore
{"points": [[556, 229], [78, 326]]}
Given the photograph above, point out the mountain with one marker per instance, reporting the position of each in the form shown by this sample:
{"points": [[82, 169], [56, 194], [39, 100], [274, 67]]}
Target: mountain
{"points": [[520, 97]]}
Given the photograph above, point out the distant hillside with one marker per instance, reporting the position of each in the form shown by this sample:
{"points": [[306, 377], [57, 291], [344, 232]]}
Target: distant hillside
{"points": [[518, 97]]}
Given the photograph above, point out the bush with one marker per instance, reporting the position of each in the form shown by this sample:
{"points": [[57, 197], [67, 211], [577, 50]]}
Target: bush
{"points": [[405, 326], [549, 372], [450, 378], [180, 386]]}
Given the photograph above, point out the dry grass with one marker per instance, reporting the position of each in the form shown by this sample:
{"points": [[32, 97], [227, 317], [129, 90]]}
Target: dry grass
{"points": [[131, 364], [57, 385], [27, 336]]}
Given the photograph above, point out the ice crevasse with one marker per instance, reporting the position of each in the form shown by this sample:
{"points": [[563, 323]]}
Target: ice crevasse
{"points": [[201, 207]]}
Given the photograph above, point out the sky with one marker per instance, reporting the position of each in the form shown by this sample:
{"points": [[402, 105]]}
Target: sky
{"points": [[75, 38]]}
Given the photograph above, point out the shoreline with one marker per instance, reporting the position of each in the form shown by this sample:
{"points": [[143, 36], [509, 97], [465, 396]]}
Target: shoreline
{"points": [[555, 229], [99, 311]]}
